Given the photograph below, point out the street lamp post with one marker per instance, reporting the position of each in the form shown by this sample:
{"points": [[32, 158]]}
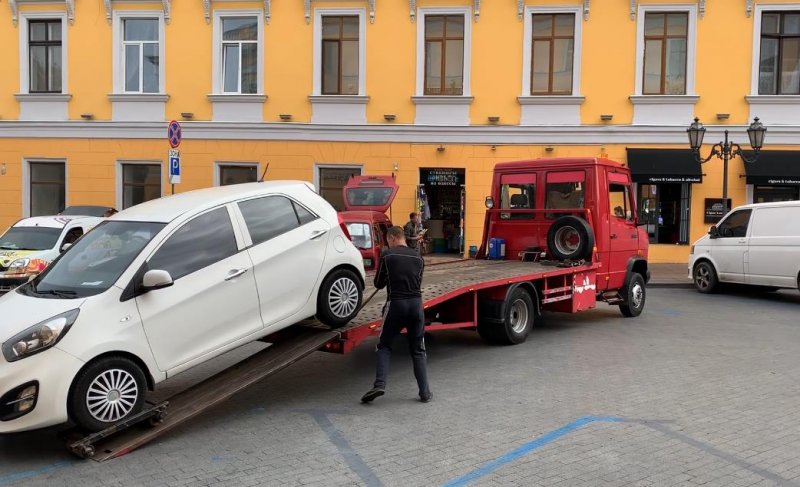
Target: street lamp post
{"points": [[726, 150]]}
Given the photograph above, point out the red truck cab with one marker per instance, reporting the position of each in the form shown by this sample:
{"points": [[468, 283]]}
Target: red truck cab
{"points": [[572, 209], [366, 200]]}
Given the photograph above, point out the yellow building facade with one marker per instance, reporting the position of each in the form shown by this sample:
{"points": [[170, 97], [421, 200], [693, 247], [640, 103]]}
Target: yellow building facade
{"points": [[434, 91]]}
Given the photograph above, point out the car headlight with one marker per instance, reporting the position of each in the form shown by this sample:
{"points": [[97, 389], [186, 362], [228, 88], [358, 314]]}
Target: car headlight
{"points": [[19, 265], [39, 337], [27, 266]]}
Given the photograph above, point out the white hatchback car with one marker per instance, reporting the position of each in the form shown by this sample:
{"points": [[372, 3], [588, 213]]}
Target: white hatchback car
{"points": [[164, 286]]}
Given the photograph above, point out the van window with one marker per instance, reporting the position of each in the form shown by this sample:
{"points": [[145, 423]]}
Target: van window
{"points": [[200, 242], [517, 191], [620, 202], [72, 235], [360, 234], [735, 225], [776, 222]]}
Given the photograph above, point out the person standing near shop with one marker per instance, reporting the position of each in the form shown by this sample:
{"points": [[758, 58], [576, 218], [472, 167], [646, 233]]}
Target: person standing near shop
{"points": [[412, 231], [400, 272]]}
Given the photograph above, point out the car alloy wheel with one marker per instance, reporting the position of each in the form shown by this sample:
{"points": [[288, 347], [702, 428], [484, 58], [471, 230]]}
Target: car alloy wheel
{"points": [[112, 395], [343, 297]]}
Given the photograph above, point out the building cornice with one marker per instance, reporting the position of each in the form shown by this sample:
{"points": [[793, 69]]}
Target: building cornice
{"points": [[499, 135]]}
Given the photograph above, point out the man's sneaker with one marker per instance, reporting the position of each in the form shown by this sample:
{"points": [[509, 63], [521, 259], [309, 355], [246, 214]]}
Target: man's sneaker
{"points": [[426, 397], [372, 394]]}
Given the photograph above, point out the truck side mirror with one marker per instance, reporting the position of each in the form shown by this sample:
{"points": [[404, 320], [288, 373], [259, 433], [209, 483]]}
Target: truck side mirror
{"points": [[489, 202], [713, 232]]}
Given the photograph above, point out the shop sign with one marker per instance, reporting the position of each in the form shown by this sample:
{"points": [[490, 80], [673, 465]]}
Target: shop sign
{"points": [[714, 210], [674, 179], [443, 177]]}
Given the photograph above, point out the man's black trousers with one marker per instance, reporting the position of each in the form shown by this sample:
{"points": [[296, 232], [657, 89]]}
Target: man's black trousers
{"points": [[399, 314]]}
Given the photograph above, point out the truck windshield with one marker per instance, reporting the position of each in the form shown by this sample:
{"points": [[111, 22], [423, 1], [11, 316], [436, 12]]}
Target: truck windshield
{"points": [[361, 234], [29, 238], [95, 262]]}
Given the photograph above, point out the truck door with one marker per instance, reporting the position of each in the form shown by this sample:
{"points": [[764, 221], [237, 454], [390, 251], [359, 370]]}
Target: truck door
{"points": [[623, 236]]}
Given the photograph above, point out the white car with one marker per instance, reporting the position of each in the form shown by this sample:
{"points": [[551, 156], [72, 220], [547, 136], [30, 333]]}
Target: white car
{"points": [[164, 286], [29, 245], [756, 244]]}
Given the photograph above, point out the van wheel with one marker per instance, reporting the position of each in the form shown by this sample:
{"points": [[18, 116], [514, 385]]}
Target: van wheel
{"points": [[705, 278], [635, 294], [339, 298], [106, 392], [570, 238]]}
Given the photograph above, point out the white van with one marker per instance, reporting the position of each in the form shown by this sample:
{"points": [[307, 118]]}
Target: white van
{"points": [[755, 244]]}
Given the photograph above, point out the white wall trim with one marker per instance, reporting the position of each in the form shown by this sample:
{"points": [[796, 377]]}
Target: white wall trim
{"points": [[24, 86], [477, 134], [362, 46], [527, 45], [420, 63], [216, 48], [118, 53], [118, 176], [691, 42], [220, 164], [327, 165], [138, 97], [26, 181], [760, 9]]}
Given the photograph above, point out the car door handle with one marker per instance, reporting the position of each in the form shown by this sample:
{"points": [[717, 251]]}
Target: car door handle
{"points": [[233, 274], [613, 235], [317, 234]]}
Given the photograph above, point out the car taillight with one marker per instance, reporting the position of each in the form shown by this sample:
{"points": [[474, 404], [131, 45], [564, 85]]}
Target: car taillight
{"points": [[343, 226]]}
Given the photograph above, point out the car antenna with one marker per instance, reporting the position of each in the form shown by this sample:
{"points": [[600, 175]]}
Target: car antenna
{"points": [[261, 180]]}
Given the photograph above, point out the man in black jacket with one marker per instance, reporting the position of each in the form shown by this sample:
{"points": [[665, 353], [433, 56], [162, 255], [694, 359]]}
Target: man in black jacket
{"points": [[400, 272]]}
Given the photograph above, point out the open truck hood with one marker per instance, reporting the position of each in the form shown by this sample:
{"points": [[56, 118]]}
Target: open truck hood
{"points": [[369, 193]]}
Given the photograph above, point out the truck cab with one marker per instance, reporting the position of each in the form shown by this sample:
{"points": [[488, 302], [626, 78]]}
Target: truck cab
{"points": [[571, 209]]}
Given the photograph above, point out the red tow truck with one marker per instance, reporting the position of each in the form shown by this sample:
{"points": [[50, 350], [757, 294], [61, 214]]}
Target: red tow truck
{"points": [[559, 235]]}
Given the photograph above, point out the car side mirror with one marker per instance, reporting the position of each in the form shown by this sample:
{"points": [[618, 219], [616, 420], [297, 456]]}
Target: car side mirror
{"points": [[713, 232], [65, 247], [489, 202], [156, 279]]}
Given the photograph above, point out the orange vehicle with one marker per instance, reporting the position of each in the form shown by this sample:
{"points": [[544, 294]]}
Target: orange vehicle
{"points": [[366, 200]]}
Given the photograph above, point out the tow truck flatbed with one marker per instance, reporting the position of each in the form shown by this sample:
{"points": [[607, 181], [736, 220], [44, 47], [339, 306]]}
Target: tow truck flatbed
{"points": [[451, 300]]}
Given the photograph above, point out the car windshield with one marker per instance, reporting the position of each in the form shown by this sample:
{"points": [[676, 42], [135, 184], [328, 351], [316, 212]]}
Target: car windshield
{"points": [[360, 234], [96, 261], [29, 238]]}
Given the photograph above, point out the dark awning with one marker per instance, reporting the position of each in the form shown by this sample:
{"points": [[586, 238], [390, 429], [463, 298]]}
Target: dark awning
{"points": [[664, 166], [774, 167]]}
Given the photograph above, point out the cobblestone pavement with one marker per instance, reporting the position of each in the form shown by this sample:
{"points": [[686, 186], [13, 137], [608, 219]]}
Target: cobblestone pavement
{"points": [[700, 390]]}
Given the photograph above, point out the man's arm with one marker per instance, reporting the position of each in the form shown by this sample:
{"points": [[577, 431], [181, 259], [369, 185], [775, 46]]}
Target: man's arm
{"points": [[382, 276]]}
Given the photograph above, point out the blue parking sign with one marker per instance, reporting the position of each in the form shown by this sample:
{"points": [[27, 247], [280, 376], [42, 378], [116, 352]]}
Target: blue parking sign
{"points": [[174, 166]]}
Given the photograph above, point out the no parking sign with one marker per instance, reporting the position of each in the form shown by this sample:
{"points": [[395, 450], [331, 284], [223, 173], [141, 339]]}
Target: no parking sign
{"points": [[174, 137]]}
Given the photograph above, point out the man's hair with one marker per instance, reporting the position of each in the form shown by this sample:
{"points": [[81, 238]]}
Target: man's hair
{"points": [[412, 215], [396, 232]]}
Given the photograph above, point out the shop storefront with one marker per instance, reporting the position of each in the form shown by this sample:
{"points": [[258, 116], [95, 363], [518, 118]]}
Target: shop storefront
{"points": [[664, 179], [441, 205], [775, 176]]}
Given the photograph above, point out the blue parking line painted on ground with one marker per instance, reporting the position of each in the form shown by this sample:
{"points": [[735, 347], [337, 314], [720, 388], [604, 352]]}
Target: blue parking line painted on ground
{"points": [[16, 477], [529, 447]]}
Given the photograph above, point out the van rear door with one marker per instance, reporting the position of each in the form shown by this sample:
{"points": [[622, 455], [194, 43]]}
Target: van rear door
{"points": [[774, 246]]}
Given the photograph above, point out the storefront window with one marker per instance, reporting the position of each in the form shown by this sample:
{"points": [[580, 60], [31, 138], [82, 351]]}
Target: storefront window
{"points": [[664, 209], [770, 194]]}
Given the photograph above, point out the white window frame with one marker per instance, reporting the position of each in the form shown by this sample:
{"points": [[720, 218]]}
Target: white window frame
{"points": [[217, 56], [119, 176], [691, 44], [577, 51], [319, 166], [759, 12], [26, 181], [118, 61], [24, 60], [421, 14], [362, 46], [220, 164]]}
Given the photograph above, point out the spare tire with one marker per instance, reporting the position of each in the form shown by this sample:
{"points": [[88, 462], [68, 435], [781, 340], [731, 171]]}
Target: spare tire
{"points": [[570, 238]]}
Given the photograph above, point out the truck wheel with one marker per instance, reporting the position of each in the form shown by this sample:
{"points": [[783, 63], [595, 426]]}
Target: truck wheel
{"points": [[339, 298], [705, 278], [106, 392], [570, 238], [519, 312], [635, 294]]}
